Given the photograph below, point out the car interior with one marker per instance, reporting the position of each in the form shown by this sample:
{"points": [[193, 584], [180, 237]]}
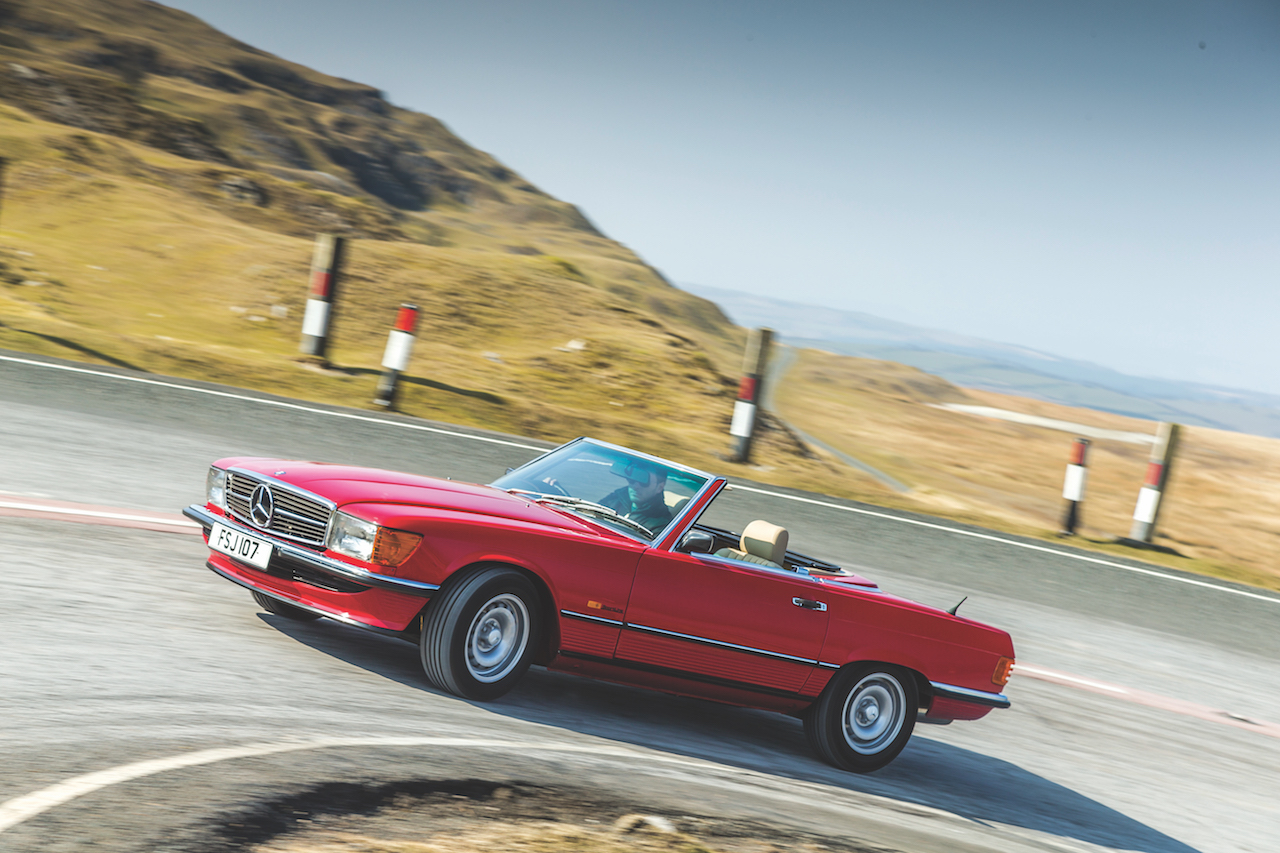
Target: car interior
{"points": [[761, 543]]}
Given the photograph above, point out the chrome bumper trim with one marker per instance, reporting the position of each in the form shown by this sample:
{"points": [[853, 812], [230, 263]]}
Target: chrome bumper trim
{"points": [[964, 694], [337, 568], [344, 618]]}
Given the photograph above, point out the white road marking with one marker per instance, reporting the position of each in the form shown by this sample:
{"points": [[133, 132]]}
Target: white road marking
{"points": [[1048, 423], [1270, 599], [1022, 669], [1150, 700], [1050, 675], [279, 404], [23, 808], [93, 513]]}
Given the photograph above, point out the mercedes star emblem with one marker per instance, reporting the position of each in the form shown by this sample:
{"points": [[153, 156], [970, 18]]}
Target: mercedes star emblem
{"points": [[262, 506]]}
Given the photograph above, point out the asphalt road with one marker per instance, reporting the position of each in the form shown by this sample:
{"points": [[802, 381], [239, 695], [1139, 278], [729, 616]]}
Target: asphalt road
{"points": [[119, 648]]}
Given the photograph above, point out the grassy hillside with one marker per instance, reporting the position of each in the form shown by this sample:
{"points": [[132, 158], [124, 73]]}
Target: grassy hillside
{"points": [[1222, 511], [164, 184], [1007, 368]]}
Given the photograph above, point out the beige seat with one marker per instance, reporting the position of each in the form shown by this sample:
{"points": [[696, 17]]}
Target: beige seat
{"points": [[762, 543]]}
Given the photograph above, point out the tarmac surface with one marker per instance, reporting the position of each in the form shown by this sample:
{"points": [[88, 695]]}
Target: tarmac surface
{"points": [[146, 704]]}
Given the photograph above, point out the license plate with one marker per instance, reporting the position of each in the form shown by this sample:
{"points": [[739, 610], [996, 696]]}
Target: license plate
{"points": [[233, 543]]}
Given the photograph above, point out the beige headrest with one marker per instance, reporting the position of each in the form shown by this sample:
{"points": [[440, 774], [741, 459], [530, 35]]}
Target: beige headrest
{"points": [[762, 539]]}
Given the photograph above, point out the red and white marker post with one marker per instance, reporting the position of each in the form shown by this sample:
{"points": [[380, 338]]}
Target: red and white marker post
{"points": [[750, 393], [1147, 512], [326, 263], [396, 358], [1073, 485], [3, 163]]}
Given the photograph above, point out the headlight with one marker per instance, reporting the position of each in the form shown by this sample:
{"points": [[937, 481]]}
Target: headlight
{"points": [[353, 536], [216, 487], [366, 541]]}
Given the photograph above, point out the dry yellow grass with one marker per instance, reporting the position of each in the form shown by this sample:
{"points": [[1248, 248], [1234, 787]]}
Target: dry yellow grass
{"points": [[107, 257], [1223, 504], [528, 820], [142, 277], [1223, 501], [509, 837], [113, 252], [528, 836]]}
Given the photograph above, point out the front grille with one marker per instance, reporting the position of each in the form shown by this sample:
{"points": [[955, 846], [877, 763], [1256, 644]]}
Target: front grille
{"points": [[298, 517]]}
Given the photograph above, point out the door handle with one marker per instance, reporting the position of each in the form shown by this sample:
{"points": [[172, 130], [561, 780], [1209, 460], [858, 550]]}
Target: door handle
{"points": [[809, 604]]}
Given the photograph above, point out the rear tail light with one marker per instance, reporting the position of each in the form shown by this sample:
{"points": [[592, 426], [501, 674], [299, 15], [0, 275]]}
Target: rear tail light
{"points": [[1004, 668]]}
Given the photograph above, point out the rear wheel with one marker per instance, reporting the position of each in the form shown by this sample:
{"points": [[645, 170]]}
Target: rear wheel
{"points": [[864, 717], [479, 634], [280, 608]]}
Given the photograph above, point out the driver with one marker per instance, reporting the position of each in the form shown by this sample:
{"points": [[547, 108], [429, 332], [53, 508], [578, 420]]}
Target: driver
{"points": [[641, 499]]}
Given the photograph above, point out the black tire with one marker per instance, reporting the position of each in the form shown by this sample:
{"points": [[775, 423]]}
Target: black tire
{"points": [[279, 608], [864, 717], [480, 633]]}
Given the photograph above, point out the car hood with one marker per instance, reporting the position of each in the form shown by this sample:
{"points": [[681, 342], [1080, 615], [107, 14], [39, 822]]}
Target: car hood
{"points": [[346, 484]]}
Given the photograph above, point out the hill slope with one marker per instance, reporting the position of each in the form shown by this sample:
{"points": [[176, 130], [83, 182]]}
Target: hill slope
{"points": [[163, 187], [976, 363], [144, 72], [164, 182]]}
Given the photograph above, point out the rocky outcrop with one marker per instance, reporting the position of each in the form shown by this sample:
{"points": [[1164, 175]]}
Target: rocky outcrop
{"points": [[112, 66], [94, 103]]}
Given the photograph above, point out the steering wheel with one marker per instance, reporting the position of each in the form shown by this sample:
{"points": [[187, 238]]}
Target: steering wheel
{"points": [[554, 485]]}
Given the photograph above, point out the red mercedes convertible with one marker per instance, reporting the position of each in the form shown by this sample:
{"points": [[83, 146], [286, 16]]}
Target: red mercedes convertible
{"points": [[595, 559]]}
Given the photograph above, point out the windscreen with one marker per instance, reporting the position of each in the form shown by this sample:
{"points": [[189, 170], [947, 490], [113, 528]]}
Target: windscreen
{"points": [[642, 490]]}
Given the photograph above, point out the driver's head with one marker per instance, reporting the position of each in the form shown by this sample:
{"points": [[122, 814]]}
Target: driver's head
{"points": [[644, 481], [649, 486]]}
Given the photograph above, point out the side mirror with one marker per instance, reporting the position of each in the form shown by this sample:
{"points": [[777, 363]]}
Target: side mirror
{"points": [[697, 542]]}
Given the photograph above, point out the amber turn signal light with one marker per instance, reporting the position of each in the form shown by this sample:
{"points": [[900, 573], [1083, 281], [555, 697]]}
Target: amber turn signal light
{"points": [[1004, 668], [393, 547]]}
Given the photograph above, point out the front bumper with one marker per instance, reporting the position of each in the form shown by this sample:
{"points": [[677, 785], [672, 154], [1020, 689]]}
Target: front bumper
{"points": [[327, 567]]}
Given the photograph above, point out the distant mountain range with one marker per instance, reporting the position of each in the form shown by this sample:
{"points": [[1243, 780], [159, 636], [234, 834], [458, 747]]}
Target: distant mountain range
{"points": [[977, 363]]}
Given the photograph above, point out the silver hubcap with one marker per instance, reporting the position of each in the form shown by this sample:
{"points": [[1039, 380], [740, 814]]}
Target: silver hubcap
{"points": [[874, 713], [497, 637]]}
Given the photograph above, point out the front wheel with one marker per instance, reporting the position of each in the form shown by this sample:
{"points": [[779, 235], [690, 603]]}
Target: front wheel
{"points": [[864, 717], [479, 634]]}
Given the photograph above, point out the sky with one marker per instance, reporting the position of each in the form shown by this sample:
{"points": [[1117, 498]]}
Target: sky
{"points": [[1097, 180]]}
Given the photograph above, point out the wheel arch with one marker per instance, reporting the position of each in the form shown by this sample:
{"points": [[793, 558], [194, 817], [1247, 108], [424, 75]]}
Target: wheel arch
{"points": [[549, 641], [864, 736], [924, 690]]}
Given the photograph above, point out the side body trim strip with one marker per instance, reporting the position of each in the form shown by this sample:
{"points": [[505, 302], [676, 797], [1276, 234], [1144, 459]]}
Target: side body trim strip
{"points": [[720, 644], [689, 676], [588, 618]]}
